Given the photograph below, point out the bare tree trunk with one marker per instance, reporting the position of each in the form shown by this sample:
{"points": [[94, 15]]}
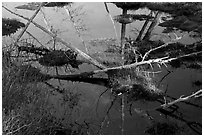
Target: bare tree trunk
{"points": [[123, 29], [151, 27], [139, 37]]}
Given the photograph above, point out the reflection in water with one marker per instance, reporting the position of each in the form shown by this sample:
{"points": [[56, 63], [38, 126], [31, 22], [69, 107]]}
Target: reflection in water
{"points": [[100, 26]]}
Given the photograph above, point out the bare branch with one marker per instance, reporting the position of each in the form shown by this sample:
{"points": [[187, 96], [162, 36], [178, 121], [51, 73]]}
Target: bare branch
{"points": [[152, 26], [192, 125], [162, 46], [182, 98], [143, 27], [83, 77], [187, 55], [186, 102], [29, 21], [87, 57], [160, 61]]}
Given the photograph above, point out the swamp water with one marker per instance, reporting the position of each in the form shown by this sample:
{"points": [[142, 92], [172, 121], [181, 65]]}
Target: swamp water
{"points": [[100, 26]]}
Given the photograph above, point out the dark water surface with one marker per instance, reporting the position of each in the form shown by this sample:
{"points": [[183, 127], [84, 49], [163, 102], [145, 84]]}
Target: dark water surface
{"points": [[99, 26]]}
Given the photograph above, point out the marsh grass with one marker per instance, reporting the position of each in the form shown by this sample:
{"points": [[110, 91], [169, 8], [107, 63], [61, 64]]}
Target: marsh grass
{"points": [[26, 108]]}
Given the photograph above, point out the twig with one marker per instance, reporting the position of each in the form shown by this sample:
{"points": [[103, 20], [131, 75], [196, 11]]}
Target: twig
{"points": [[162, 46], [169, 72], [50, 28], [181, 99], [77, 31], [120, 44], [46, 21], [195, 95], [107, 113], [106, 6], [188, 103], [98, 101]]}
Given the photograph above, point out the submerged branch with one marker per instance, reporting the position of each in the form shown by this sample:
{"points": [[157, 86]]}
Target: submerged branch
{"points": [[82, 78]]}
